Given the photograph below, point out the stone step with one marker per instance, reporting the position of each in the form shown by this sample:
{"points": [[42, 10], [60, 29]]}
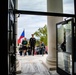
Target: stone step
{"points": [[49, 67], [51, 63]]}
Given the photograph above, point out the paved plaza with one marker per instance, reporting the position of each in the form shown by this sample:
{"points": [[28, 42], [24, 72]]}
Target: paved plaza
{"points": [[33, 65]]}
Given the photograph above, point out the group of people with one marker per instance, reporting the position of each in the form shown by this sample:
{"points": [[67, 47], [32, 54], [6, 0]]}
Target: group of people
{"points": [[30, 47], [41, 49], [25, 47]]}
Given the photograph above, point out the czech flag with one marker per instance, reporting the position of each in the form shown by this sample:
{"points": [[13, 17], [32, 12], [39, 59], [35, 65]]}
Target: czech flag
{"points": [[22, 36]]}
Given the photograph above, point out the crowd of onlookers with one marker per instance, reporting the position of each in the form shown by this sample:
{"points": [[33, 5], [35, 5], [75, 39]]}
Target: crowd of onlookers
{"points": [[38, 50], [41, 50]]}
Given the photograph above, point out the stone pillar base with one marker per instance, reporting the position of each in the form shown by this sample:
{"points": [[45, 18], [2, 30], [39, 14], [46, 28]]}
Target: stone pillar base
{"points": [[51, 63], [49, 67]]}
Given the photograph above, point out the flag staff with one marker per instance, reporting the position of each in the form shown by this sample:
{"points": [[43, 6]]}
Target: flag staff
{"points": [[24, 32]]}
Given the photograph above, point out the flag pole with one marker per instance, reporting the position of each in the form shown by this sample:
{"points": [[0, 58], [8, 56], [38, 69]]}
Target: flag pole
{"points": [[24, 32]]}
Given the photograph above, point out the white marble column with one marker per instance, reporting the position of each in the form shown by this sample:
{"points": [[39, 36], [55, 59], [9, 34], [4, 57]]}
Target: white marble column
{"points": [[53, 6]]}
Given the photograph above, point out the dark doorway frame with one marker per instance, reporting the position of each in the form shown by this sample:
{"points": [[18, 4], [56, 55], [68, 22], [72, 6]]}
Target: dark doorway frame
{"points": [[15, 11], [72, 53]]}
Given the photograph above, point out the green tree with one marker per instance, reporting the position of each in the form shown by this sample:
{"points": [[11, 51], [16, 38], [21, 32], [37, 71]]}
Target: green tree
{"points": [[42, 34]]}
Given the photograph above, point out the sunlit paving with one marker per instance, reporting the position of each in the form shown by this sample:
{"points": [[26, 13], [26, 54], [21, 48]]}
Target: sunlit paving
{"points": [[33, 65]]}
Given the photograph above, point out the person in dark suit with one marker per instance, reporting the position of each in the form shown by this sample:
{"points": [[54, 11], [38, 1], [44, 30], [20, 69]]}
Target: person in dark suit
{"points": [[32, 42]]}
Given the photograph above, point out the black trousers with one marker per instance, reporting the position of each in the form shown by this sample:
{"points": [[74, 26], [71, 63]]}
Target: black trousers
{"points": [[29, 52], [20, 53], [42, 51], [32, 49]]}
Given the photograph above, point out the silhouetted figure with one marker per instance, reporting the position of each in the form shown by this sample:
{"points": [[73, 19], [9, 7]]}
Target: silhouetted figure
{"points": [[63, 45]]}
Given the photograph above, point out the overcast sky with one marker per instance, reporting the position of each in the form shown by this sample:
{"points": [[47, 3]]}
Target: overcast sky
{"points": [[32, 22]]}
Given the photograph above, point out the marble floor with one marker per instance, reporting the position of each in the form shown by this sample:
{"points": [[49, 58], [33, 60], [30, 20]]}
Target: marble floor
{"points": [[34, 68], [33, 65]]}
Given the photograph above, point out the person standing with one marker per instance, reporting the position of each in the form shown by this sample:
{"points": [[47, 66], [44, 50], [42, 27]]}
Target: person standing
{"points": [[32, 42], [24, 44]]}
